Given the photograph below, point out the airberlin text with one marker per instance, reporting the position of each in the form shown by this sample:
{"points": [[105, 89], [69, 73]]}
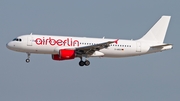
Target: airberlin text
{"points": [[59, 42]]}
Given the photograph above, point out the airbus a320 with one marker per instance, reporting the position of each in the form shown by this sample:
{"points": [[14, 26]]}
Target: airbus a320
{"points": [[68, 47]]}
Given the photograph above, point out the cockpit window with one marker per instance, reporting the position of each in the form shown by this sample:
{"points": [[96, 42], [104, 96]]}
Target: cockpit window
{"points": [[14, 39], [17, 39]]}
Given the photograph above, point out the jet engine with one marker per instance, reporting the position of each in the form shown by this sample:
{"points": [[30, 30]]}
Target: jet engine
{"points": [[64, 54]]}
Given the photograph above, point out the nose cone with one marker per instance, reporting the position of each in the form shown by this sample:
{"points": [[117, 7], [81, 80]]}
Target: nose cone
{"points": [[9, 45]]}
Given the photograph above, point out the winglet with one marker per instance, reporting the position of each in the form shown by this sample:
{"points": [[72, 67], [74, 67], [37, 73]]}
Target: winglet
{"points": [[116, 41]]}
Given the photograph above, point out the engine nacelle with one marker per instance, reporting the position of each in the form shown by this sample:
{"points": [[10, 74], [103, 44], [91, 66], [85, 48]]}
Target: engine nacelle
{"points": [[64, 54]]}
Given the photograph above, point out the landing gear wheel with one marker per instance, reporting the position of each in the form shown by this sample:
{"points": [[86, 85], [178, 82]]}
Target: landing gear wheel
{"points": [[87, 63], [81, 63], [28, 57], [27, 60]]}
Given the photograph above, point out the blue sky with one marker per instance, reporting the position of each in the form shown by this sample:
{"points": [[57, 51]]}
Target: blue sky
{"points": [[153, 77]]}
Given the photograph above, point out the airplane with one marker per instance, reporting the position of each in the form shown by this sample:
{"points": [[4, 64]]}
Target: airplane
{"points": [[68, 47]]}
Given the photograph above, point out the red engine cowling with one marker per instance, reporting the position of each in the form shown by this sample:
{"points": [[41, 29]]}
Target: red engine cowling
{"points": [[64, 54]]}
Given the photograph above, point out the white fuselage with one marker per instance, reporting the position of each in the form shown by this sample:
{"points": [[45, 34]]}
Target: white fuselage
{"points": [[44, 44]]}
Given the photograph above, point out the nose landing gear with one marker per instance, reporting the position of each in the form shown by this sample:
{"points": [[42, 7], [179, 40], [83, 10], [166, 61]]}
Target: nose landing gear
{"points": [[28, 58]]}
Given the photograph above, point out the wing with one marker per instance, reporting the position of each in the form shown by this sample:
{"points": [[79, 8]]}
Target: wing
{"points": [[89, 50]]}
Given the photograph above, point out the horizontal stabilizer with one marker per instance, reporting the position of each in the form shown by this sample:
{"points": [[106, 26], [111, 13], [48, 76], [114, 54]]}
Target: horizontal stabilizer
{"points": [[161, 46]]}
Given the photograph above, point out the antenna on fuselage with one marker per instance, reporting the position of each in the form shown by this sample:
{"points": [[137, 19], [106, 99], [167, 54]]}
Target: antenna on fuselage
{"points": [[103, 37], [31, 33]]}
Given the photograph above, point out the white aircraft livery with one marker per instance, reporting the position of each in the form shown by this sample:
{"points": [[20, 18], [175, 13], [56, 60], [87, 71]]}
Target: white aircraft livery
{"points": [[68, 47]]}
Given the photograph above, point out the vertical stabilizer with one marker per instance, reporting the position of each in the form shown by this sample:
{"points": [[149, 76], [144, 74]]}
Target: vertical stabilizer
{"points": [[158, 32]]}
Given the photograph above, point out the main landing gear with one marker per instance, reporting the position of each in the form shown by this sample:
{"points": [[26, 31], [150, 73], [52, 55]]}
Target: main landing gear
{"points": [[28, 58], [82, 63]]}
